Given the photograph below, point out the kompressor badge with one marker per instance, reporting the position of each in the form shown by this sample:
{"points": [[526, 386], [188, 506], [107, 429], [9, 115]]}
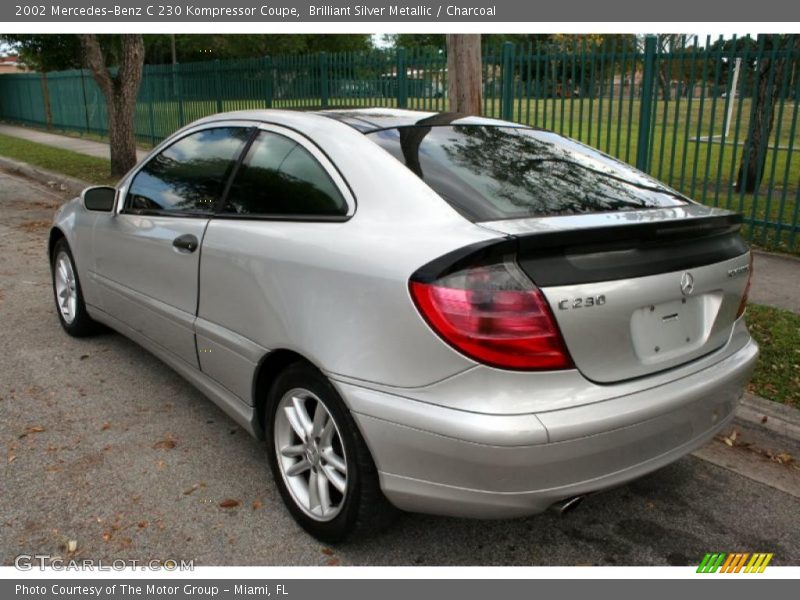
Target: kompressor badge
{"points": [[738, 271]]}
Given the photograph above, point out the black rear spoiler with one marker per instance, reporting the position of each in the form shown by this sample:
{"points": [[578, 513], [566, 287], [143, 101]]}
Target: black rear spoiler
{"points": [[606, 253]]}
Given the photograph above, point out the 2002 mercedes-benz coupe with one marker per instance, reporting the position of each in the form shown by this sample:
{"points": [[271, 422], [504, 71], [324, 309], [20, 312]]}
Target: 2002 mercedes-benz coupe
{"points": [[430, 312]]}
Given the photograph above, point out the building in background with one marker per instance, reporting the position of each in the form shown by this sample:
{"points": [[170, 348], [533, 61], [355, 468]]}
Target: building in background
{"points": [[10, 64]]}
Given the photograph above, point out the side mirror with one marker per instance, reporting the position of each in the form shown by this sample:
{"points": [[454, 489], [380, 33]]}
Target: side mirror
{"points": [[99, 198]]}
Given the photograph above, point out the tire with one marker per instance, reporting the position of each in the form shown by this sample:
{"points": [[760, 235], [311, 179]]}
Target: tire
{"points": [[356, 506], [70, 307]]}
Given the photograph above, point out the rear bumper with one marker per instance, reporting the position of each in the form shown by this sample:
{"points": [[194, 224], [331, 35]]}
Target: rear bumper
{"points": [[445, 461]]}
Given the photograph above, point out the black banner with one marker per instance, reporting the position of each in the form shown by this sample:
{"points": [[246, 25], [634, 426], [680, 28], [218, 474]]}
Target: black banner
{"points": [[381, 11]]}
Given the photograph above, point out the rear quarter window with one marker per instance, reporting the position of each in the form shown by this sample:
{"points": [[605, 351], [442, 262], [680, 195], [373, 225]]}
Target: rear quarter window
{"points": [[279, 177], [489, 173]]}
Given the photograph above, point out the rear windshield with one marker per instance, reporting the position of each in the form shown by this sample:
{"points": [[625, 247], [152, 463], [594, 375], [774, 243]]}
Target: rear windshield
{"points": [[489, 173]]}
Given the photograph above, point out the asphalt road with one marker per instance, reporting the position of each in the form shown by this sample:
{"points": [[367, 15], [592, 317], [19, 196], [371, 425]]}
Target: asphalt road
{"points": [[107, 447]]}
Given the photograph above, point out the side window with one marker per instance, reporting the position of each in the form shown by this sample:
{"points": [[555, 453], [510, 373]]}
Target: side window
{"points": [[280, 177], [189, 176]]}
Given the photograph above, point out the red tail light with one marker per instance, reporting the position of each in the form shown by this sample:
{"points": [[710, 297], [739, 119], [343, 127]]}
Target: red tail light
{"points": [[495, 315], [743, 303]]}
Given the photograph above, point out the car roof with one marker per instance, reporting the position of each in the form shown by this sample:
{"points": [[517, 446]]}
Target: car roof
{"points": [[365, 120]]}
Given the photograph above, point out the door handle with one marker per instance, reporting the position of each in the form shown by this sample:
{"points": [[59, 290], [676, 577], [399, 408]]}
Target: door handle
{"points": [[186, 243]]}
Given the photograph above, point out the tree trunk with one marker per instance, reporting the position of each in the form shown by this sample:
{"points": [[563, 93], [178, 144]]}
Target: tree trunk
{"points": [[754, 156], [464, 70], [121, 135], [120, 93], [48, 112], [664, 82]]}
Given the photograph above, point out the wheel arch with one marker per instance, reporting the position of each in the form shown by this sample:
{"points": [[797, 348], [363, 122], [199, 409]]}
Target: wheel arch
{"points": [[55, 235], [268, 369]]}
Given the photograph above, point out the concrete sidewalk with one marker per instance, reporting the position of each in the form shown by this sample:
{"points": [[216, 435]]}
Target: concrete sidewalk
{"points": [[65, 142], [776, 281]]}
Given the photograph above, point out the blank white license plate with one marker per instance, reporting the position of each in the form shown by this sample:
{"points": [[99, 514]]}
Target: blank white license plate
{"points": [[666, 330]]}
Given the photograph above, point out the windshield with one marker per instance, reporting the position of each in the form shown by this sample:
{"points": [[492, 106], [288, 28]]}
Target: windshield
{"points": [[489, 173]]}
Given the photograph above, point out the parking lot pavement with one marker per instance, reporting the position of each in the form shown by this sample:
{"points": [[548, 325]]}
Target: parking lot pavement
{"points": [[105, 446]]}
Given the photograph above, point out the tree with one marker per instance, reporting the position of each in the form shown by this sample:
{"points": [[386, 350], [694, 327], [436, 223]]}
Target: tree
{"points": [[667, 42], [203, 47], [46, 52], [464, 73], [431, 41], [120, 92], [769, 74]]}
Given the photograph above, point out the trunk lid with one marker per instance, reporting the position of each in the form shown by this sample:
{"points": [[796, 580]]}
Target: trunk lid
{"points": [[636, 292]]}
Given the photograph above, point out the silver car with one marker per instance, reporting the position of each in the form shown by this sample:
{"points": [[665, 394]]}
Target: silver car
{"points": [[419, 311]]}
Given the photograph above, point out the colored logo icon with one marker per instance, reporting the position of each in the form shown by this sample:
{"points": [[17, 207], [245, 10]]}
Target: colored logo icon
{"points": [[738, 562]]}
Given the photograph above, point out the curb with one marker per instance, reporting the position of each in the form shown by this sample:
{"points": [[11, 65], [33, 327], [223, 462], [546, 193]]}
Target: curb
{"points": [[778, 418], [66, 184], [778, 255]]}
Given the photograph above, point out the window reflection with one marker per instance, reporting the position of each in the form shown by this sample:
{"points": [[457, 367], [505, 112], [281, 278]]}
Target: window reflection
{"points": [[490, 173], [190, 174], [280, 177]]}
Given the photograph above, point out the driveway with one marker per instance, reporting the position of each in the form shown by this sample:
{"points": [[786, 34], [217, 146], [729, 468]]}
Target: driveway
{"points": [[107, 447]]}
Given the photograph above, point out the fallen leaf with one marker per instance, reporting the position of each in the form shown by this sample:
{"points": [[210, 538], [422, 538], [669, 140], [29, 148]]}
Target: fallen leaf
{"points": [[143, 524], [333, 562], [32, 429], [728, 441], [72, 545], [191, 490], [229, 503], [106, 536], [167, 444], [106, 426], [257, 504], [327, 551]]}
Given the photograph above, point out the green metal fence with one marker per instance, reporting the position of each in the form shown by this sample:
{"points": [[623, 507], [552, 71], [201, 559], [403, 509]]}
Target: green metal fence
{"points": [[687, 111]]}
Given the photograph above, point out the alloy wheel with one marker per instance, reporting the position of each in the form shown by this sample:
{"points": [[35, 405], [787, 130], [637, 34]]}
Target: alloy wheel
{"points": [[66, 287], [310, 454]]}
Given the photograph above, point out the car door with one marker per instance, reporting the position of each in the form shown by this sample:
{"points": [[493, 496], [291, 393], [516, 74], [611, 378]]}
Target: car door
{"points": [[147, 256], [265, 243]]}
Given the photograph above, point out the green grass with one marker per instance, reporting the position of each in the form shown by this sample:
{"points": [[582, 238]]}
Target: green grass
{"points": [[73, 164], [777, 375]]}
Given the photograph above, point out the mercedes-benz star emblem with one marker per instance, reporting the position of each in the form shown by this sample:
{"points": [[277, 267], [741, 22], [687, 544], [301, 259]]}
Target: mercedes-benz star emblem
{"points": [[687, 284]]}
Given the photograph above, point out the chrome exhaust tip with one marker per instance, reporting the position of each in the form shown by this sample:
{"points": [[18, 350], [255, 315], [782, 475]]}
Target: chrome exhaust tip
{"points": [[568, 505]]}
